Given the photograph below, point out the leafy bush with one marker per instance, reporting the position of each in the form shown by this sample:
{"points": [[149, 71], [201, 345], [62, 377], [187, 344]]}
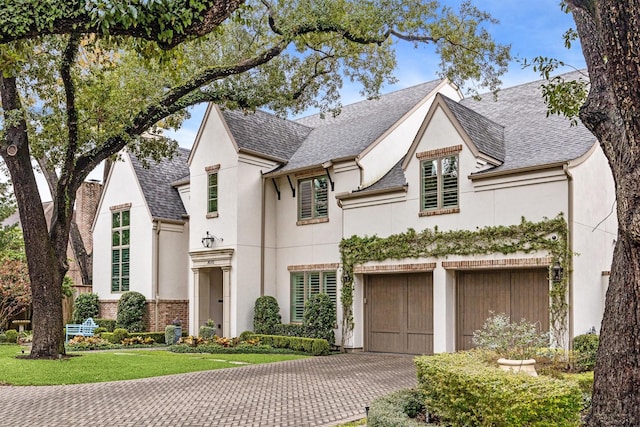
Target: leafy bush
{"points": [[246, 335], [314, 346], [170, 336], [461, 390], [266, 315], [79, 343], [108, 336], [290, 330], [585, 347], [396, 410], [207, 332], [3, 338], [85, 306], [217, 349], [98, 331], [12, 335], [158, 337], [513, 340], [118, 335], [108, 324], [319, 317], [131, 309], [138, 340]]}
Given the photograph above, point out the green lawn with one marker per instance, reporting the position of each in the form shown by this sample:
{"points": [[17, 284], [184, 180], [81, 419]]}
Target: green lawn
{"points": [[93, 367]]}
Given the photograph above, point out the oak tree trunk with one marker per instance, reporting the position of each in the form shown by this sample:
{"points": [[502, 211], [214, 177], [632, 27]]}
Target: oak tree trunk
{"points": [[609, 33], [45, 259]]}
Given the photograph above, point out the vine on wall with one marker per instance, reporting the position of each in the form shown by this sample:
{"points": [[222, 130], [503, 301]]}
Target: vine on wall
{"points": [[525, 237]]}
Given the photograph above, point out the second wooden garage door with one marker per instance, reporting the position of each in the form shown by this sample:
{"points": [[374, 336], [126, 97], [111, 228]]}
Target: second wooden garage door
{"points": [[522, 294], [399, 313]]}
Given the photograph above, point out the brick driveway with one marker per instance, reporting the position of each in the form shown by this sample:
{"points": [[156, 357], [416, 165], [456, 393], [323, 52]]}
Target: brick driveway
{"points": [[319, 391]]}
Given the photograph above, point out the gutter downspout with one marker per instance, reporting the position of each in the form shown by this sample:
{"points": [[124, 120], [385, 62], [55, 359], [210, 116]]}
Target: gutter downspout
{"points": [[262, 233], [156, 284], [570, 198]]}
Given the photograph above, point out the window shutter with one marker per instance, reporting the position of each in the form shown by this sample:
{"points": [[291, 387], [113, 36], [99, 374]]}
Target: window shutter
{"points": [[429, 184], [330, 286], [297, 297], [305, 208], [450, 181], [314, 283], [321, 197]]}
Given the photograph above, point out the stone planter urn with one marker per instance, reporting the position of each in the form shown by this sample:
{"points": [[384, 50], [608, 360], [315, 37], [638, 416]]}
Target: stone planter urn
{"points": [[178, 332], [524, 366]]}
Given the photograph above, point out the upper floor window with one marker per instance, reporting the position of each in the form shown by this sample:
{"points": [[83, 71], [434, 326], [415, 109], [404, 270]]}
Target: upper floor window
{"points": [[120, 243], [439, 179], [212, 193], [305, 284], [313, 198]]}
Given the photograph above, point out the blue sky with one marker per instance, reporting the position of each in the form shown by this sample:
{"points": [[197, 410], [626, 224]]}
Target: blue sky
{"points": [[532, 28]]}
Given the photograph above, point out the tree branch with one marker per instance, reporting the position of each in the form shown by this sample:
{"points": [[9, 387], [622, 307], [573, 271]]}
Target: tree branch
{"points": [[187, 19]]}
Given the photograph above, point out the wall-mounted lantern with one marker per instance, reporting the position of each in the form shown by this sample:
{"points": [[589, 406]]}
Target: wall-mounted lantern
{"points": [[558, 272], [208, 240]]}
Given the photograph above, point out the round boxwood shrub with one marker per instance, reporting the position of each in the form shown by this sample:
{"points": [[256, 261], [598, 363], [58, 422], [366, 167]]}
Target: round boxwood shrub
{"points": [[118, 335], [266, 315], [585, 347], [85, 306], [12, 335], [131, 309], [319, 317]]}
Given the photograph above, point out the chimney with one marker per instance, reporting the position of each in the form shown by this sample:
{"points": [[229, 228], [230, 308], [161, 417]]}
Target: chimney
{"points": [[87, 199]]}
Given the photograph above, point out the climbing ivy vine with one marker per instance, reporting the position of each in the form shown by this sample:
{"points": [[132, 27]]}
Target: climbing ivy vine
{"points": [[525, 237]]}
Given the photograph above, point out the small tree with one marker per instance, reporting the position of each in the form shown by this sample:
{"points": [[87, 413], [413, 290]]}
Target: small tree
{"points": [[131, 309], [266, 315], [513, 340], [85, 306], [15, 293], [319, 317]]}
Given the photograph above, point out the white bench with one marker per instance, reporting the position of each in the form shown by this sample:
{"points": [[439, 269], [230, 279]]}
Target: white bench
{"points": [[85, 329]]}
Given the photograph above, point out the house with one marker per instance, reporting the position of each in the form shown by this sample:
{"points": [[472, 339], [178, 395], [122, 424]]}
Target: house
{"points": [[266, 204]]}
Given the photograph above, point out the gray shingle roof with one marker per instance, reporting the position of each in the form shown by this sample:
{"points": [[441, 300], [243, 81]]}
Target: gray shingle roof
{"points": [[487, 135], [532, 138], [392, 179], [265, 133], [356, 127], [163, 200]]}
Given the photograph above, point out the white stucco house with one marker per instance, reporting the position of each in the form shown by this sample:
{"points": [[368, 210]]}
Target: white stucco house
{"points": [[261, 204]]}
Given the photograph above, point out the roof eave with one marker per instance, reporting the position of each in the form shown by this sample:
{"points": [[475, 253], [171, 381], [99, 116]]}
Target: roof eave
{"points": [[365, 193], [486, 175]]}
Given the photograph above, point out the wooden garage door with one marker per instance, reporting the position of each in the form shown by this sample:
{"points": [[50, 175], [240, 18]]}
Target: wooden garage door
{"points": [[523, 294], [399, 313]]}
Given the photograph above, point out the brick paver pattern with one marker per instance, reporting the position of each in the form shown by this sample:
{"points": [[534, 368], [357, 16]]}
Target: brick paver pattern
{"points": [[319, 391]]}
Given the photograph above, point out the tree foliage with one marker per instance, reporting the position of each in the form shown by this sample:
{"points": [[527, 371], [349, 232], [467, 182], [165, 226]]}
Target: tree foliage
{"points": [[82, 80]]}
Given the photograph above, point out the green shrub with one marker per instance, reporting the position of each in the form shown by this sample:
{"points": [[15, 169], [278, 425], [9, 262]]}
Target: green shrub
{"points": [[3, 338], [218, 349], [266, 315], [85, 306], [12, 335], [207, 332], [313, 346], [158, 337], [289, 330], [397, 409], [98, 331], [118, 335], [108, 324], [585, 347], [513, 340], [131, 309], [246, 335], [107, 336], [319, 317], [170, 337], [461, 390]]}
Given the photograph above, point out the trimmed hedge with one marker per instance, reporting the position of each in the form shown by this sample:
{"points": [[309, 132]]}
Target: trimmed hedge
{"points": [[85, 306], [218, 349], [585, 347], [392, 410], [463, 391], [266, 315], [108, 324], [158, 337], [289, 330], [12, 335], [314, 346]]}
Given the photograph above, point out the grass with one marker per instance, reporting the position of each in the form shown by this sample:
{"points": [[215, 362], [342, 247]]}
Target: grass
{"points": [[93, 367]]}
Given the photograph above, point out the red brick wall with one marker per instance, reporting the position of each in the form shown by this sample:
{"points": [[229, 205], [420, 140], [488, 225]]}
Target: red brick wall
{"points": [[167, 311]]}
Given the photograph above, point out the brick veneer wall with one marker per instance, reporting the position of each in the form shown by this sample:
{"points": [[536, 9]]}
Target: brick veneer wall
{"points": [[167, 311]]}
